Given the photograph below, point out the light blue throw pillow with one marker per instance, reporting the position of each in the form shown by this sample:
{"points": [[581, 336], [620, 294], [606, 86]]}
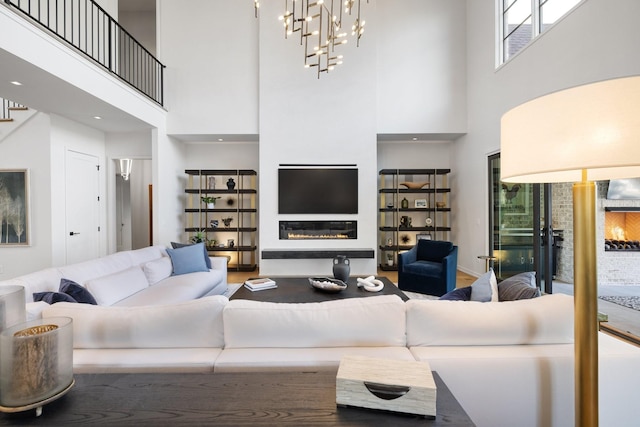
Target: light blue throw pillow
{"points": [[187, 259], [485, 288]]}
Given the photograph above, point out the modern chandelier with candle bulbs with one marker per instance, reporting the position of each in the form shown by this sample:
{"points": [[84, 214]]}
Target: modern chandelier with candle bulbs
{"points": [[320, 26]]}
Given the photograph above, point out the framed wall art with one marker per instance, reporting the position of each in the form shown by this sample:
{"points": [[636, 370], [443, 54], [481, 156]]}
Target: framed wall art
{"points": [[14, 207]]}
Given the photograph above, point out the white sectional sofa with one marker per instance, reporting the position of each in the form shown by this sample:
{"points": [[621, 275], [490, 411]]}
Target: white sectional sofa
{"points": [[139, 277], [508, 363]]}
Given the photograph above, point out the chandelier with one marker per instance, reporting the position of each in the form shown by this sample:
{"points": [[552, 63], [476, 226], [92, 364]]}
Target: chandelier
{"points": [[320, 26]]}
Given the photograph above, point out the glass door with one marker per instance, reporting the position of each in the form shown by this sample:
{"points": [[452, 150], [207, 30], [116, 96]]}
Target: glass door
{"points": [[517, 231]]}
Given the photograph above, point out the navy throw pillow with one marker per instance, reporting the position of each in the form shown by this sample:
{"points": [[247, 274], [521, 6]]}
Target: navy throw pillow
{"points": [[207, 261], [459, 294], [77, 292], [52, 297]]}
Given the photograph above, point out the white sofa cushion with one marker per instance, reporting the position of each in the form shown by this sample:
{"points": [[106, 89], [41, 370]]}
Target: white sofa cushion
{"points": [[136, 360], [195, 323], [82, 272], [110, 289], [544, 320], [371, 321], [157, 269], [143, 255], [296, 359], [174, 289], [47, 280]]}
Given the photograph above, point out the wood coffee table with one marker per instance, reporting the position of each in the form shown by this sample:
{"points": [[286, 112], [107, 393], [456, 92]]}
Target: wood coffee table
{"points": [[298, 289], [240, 399]]}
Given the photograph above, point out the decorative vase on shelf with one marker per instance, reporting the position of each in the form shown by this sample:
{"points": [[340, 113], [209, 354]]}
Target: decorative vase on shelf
{"points": [[341, 268], [231, 184], [405, 203], [211, 205]]}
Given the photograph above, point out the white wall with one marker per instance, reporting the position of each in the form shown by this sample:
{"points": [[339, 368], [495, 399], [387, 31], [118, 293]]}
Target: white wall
{"points": [[421, 66], [592, 43], [28, 147], [168, 187], [210, 50], [130, 145], [68, 135]]}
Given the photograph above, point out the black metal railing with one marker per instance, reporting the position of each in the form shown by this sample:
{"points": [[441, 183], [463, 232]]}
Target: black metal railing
{"points": [[7, 106], [87, 27]]}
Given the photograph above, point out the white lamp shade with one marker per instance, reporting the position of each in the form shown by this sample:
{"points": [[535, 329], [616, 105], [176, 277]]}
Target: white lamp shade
{"points": [[593, 128]]}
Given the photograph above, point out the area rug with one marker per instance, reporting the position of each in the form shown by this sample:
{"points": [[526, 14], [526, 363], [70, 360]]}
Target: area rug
{"points": [[632, 302]]}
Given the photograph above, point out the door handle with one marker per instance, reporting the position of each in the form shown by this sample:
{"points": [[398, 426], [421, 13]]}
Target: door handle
{"points": [[73, 234]]}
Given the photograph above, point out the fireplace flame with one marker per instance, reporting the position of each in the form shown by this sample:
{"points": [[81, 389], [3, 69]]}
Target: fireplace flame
{"points": [[618, 233], [296, 236]]}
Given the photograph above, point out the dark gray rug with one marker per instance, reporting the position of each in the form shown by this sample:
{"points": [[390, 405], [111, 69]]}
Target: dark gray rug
{"points": [[632, 302]]}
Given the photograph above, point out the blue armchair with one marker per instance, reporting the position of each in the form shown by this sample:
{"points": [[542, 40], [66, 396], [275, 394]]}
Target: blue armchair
{"points": [[429, 267]]}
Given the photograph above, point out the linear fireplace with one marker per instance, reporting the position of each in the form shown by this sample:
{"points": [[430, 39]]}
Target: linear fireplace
{"points": [[318, 230]]}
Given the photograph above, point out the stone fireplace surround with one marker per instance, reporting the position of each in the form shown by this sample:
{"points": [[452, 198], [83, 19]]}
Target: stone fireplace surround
{"points": [[617, 267]]}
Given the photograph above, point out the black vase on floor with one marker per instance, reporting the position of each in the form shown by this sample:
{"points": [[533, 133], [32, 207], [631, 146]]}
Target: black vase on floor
{"points": [[341, 268]]}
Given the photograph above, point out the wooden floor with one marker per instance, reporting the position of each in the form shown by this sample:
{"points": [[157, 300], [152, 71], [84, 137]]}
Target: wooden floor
{"points": [[463, 279]]}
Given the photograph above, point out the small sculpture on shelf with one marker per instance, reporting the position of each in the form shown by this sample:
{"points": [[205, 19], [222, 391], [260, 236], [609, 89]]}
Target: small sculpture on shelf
{"points": [[227, 221]]}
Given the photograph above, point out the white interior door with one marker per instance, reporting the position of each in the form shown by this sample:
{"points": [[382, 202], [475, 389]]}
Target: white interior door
{"points": [[82, 207]]}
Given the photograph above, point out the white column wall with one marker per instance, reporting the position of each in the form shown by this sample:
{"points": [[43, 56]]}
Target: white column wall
{"points": [[306, 120]]}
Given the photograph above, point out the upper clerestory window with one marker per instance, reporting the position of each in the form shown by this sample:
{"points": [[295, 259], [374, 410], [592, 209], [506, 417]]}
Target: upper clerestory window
{"points": [[523, 20]]}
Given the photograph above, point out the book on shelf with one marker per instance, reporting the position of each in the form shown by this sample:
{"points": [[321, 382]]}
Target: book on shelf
{"points": [[260, 284]]}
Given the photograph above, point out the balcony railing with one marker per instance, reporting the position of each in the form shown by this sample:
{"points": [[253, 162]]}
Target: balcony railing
{"points": [[7, 106], [88, 28]]}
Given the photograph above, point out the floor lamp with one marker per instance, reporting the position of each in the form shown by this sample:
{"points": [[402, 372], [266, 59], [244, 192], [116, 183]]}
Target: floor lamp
{"points": [[583, 134]]}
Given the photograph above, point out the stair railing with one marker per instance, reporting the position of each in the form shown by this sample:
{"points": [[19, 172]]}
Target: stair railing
{"points": [[88, 28], [7, 106]]}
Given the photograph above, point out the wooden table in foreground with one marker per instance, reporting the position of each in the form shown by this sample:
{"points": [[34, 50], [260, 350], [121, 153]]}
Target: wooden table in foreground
{"points": [[298, 289], [256, 399]]}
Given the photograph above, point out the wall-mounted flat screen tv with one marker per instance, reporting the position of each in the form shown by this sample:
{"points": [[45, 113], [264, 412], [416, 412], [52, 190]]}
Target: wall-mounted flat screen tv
{"points": [[317, 191]]}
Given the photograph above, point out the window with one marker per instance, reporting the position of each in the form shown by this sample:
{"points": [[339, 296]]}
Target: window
{"points": [[523, 20]]}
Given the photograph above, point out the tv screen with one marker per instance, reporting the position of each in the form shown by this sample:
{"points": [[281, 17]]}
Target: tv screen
{"points": [[318, 191], [624, 189]]}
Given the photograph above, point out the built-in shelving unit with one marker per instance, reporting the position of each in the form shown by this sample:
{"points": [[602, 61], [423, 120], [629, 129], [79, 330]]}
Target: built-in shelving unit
{"points": [[236, 192], [410, 211]]}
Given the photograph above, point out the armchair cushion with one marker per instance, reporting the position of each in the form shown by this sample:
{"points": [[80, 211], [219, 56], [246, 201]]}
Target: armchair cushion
{"points": [[425, 268], [433, 250]]}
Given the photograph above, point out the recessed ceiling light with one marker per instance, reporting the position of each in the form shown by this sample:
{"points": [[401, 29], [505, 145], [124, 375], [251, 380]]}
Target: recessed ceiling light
{"points": [[97, 117], [17, 83], [414, 138], [220, 139]]}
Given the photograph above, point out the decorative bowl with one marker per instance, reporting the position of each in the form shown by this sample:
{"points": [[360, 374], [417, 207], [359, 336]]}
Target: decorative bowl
{"points": [[415, 185], [441, 205], [327, 284]]}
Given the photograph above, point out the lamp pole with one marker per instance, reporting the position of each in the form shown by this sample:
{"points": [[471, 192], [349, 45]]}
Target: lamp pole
{"points": [[585, 303]]}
